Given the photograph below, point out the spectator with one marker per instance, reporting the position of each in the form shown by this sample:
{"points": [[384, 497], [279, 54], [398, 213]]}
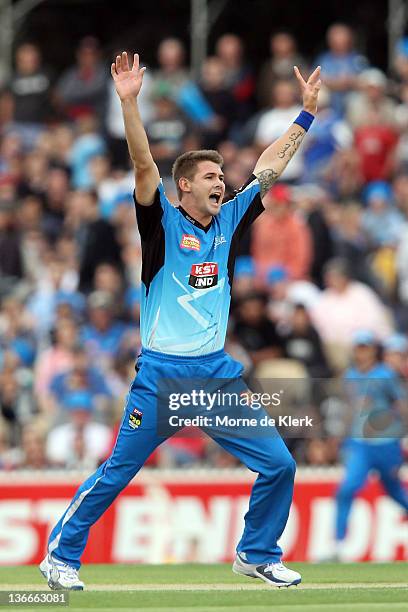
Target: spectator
{"points": [[285, 293], [16, 333], [109, 279], [401, 60], [220, 99], [350, 243], [16, 401], [395, 349], [173, 78], [244, 276], [81, 376], [254, 330], [239, 77], [375, 143], [402, 266], [400, 192], [401, 119], [6, 110], [103, 336], [341, 64], [30, 86], [11, 267], [29, 217], [371, 98], [56, 283], [9, 455], [87, 145], [82, 89], [59, 146], [11, 149], [58, 357], [283, 56], [344, 177], [284, 108], [311, 201], [34, 174], [381, 222], [169, 132], [112, 186], [302, 342], [33, 442], [80, 443], [94, 236], [55, 196], [291, 246], [172, 73], [347, 305]]}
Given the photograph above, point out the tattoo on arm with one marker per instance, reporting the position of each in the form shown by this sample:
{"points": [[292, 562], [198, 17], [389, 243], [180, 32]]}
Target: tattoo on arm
{"points": [[266, 179], [289, 148], [283, 156]]}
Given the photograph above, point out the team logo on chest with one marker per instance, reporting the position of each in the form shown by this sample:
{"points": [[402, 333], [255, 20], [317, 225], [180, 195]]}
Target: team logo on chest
{"points": [[189, 241], [203, 275], [219, 240]]}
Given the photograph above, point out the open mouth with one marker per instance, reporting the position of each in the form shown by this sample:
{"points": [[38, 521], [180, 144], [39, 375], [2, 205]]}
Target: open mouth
{"points": [[215, 197]]}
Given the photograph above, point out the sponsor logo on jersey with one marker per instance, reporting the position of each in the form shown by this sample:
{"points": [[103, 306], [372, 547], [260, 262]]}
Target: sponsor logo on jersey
{"points": [[203, 275], [219, 240], [189, 241], [135, 418]]}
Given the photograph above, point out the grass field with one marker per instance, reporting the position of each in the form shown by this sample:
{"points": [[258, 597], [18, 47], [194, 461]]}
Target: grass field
{"points": [[209, 588]]}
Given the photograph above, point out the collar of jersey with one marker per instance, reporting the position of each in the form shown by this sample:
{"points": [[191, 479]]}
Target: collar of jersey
{"points": [[185, 214]]}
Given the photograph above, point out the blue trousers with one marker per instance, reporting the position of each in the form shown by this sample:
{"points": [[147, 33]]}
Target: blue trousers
{"points": [[267, 456], [361, 458]]}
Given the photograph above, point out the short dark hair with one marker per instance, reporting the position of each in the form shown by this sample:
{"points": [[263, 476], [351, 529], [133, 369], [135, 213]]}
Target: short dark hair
{"points": [[186, 164], [339, 265]]}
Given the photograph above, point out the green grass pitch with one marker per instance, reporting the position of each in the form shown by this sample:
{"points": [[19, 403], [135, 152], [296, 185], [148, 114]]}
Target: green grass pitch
{"points": [[365, 587]]}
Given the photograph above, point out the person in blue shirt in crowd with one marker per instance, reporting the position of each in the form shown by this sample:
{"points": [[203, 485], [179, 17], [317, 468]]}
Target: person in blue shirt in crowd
{"points": [[104, 335], [378, 413], [382, 221], [82, 375], [341, 64], [395, 349]]}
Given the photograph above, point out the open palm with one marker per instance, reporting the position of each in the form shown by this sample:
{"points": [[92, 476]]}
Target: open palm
{"points": [[128, 82]]}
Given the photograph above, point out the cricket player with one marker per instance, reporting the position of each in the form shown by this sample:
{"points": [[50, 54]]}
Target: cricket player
{"points": [[188, 256], [379, 404]]}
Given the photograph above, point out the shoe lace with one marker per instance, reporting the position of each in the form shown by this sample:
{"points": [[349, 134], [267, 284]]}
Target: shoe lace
{"points": [[271, 566], [71, 573]]}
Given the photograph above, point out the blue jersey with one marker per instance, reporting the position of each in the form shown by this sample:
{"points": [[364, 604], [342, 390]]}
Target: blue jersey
{"points": [[372, 393], [187, 272]]}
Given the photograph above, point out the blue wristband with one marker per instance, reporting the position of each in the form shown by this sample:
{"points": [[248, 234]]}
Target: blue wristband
{"points": [[305, 120]]}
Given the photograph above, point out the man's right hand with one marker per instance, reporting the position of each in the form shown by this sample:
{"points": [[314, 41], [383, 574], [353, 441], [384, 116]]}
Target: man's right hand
{"points": [[128, 82]]}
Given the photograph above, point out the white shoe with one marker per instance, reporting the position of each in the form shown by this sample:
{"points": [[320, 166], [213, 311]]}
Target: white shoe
{"points": [[275, 574], [59, 575]]}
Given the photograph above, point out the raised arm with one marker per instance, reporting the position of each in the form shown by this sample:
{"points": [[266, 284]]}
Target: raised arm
{"points": [[128, 83], [276, 157]]}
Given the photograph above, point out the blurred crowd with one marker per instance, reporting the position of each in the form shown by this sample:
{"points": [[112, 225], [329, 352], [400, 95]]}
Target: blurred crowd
{"points": [[330, 257]]}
